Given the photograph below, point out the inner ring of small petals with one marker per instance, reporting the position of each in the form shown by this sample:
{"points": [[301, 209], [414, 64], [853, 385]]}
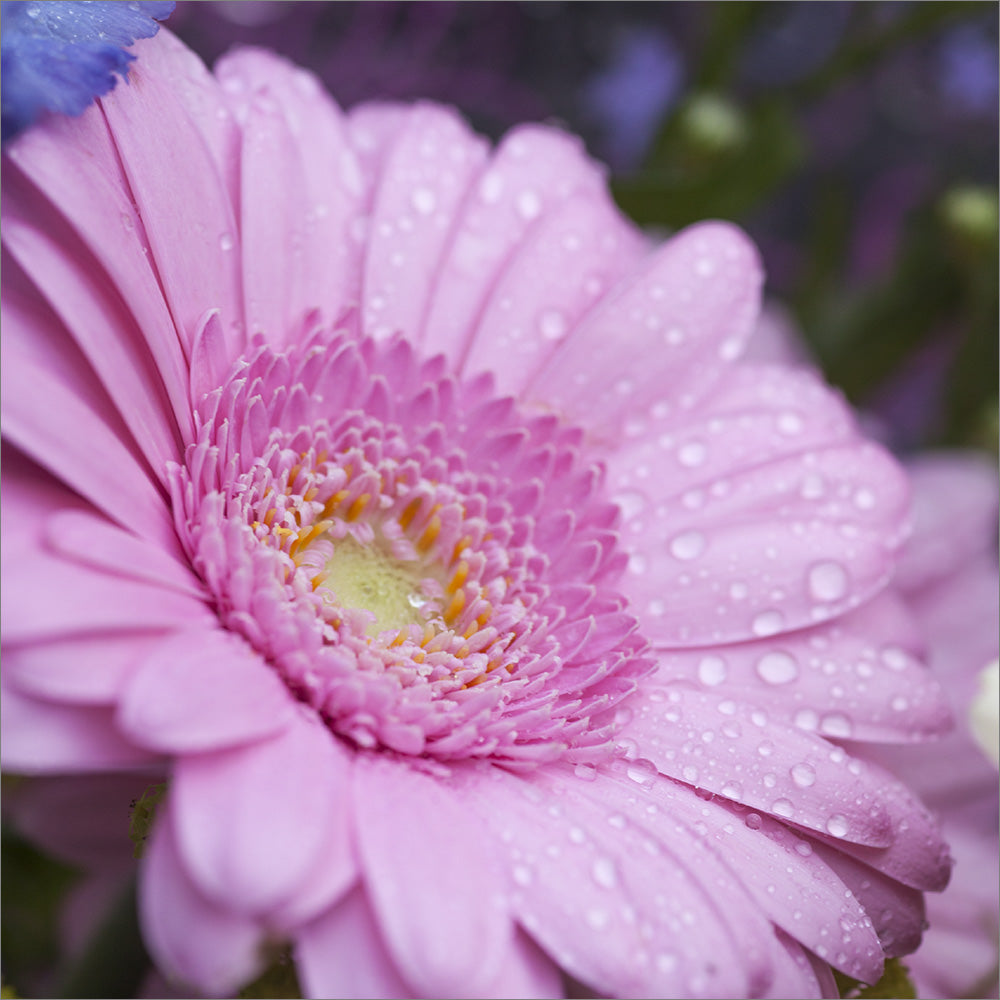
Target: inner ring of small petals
{"points": [[428, 583]]}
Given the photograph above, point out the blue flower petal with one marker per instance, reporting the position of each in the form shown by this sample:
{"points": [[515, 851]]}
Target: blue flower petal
{"points": [[58, 55]]}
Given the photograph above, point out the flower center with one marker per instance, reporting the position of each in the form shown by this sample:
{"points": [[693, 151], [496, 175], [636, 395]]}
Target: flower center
{"points": [[366, 579], [432, 573]]}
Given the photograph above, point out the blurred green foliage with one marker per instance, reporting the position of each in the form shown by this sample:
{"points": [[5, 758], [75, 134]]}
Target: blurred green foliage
{"points": [[732, 152]]}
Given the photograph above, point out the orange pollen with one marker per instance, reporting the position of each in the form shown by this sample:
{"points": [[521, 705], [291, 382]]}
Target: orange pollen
{"points": [[354, 511], [431, 532]]}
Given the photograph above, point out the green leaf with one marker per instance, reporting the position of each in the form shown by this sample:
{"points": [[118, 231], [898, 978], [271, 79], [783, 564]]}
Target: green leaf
{"points": [[895, 984]]}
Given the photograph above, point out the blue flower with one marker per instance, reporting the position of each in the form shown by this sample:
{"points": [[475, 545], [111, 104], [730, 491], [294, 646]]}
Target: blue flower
{"points": [[61, 54]]}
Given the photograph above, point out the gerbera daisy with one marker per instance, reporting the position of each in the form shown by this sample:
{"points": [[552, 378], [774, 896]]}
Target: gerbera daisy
{"points": [[410, 512]]}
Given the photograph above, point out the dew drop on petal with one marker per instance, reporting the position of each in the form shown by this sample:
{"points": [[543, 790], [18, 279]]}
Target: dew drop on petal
{"points": [[604, 873], [827, 581], [803, 774], [782, 807], [753, 821], [529, 205], [688, 545], [692, 454], [226, 242], [597, 919], [552, 324], [423, 201], [777, 668], [767, 623], [836, 825], [641, 771], [522, 875], [836, 724], [711, 670]]}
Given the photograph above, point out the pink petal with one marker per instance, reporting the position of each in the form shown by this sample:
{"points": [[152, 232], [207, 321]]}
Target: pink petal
{"points": [[955, 498], [896, 910], [193, 940], [694, 736], [342, 954], [327, 201], [203, 689], [62, 420], [526, 972], [853, 678], [162, 152], [572, 254], [168, 58], [588, 872], [793, 972], [425, 174], [94, 541], [786, 875], [40, 737], [101, 326], [532, 173], [439, 900], [918, 854], [251, 821], [82, 669], [73, 163], [825, 550], [703, 284]]}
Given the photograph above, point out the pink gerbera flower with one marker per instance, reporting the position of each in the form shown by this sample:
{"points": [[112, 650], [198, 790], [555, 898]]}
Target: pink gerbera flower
{"points": [[416, 517]]}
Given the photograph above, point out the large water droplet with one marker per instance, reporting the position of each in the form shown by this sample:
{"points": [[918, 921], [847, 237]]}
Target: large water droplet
{"points": [[552, 324], [711, 670], [529, 205], [423, 200], [688, 545], [777, 668], [605, 873], [692, 454], [836, 825], [782, 807], [803, 774], [767, 623], [642, 771], [827, 581]]}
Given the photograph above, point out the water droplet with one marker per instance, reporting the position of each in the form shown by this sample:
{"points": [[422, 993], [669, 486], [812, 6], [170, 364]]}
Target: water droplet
{"points": [[899, 703], [552, 324], [585, 772], [674, 336], [604, 873], [529, 205], [688, 545], [790, 423], [665, 962], [864, 499], [894, 658], [423, 200], [803, 774], [491, 187], [642, 771], [522, 875], [705, 267], [692, 454], [777, 668], [753, 821], [836, 825], [827, 581], [732, 789], [226, 242], [577, 835], [730, 349], [803, 847], [807, 719], [767, 623], [782, 807], [711, 670], [835, 724]]}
